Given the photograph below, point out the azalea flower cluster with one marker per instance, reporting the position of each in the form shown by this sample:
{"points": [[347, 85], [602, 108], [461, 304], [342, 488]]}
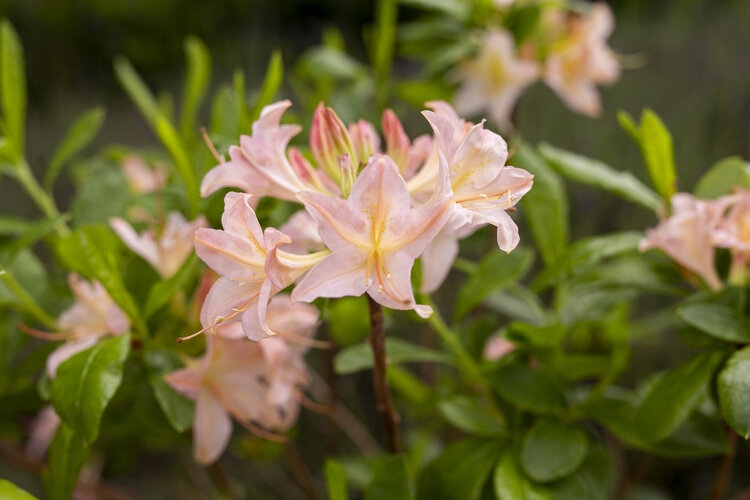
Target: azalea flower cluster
{"points": [[696, 228], [569, 53], [368, 214]]}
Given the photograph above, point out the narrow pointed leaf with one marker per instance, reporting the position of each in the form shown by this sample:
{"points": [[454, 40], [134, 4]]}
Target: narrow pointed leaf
{"points": [[178, 410], [12, 87], [196, 83], [137, 90], [85, 383], [66, 455], [629, 126], [495, 272], [80, 134], [656, 142], [717, 320], [545, 206], [675, 395], [600, 175], [271, 85], [358, 357], [335, 480]]}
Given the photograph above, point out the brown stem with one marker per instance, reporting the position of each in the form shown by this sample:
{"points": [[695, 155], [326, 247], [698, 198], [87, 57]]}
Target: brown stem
{"points": [[382, 391], [725, 470], [221, 481]]}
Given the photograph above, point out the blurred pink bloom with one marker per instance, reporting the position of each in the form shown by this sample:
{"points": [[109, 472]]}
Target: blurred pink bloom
{"points": [[733, 231], [141, 178], [374, 237], [686, 236], [43, 429], [93, 315], [582, 59], [251, 267], [497, 347], [254, 382], [483, 188], [494, 79], [166, 252]]}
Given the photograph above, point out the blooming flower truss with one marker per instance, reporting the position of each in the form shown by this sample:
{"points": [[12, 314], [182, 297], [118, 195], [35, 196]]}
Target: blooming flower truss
{"points": [[375, 213], [257, 383], [697, 227], [568, 51], [93, 316], [166, 250]]}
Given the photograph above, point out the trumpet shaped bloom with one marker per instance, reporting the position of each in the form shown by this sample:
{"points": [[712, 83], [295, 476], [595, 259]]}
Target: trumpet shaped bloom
{"points": [[167, 251], [494, 79], [254, 383], [251, 267], [582, 59], [374, 236], [686, 236], [93, 316]]}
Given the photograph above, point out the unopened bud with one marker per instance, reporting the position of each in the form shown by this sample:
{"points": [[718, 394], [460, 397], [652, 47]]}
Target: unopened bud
{"points": [[329, 141], [365, 139], [396, 141]]}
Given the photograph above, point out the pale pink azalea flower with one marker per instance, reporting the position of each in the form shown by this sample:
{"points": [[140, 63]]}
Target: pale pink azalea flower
{"points": [[251, 267], [482, 186], [141, 178], [686, 236], [497, 347], [494, 80], [93, 316], [374, 236], [303, 231], [233, 379], [733, 231], [260, 165], [165, 252], [582, 59]]}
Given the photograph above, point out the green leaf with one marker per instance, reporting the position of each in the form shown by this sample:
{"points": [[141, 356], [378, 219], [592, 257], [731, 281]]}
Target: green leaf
{"points": [[469, 415], [10, 491], [552, 450], [455, 8], [519, 303], [178, 409], [197, 78], [137, 90], [529, 389], [80, 134], [181, 158], [545, 206], [86, 382], [91, 252], [734, 392], [628, 125], [586, 253], [671, 398], [323, 62], [722, 177], [656, 143], [496, 271], [12, 87], [597, 174], [510, 484], [348, 320], [358, 357], [460, 471], [335, 480], [271, 85], [66, 455], [163, 291], [390, 480], [718, 320], [226, 115]]}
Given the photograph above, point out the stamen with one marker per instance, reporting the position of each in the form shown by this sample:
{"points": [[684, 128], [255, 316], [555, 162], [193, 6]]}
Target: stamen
{"points": [[262, 433], [219, 158], [323, 409], [32, 332]]}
